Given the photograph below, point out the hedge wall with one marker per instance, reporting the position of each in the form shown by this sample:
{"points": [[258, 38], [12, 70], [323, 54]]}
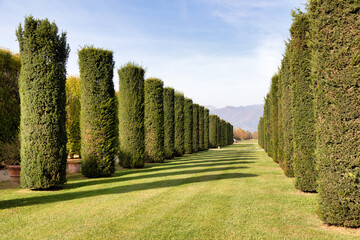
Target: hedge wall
{"points": [[213, 127], [206, 128], [9, 95], [99, 132], [335, 36], [179, 124], [131, 116], [169, 122], [188, 125], [223, 139], [218, 131], [195, 133], [274, 130], [43, 54], [302, 102], [154, 120], [286, 150], [201, 128], [72, 87]]}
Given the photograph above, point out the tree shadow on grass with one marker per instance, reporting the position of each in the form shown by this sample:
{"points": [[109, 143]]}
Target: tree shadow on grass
{"points": [[67, 196], [117, 177]]}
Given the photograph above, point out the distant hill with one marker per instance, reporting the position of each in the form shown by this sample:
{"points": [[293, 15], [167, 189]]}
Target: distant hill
{"points": [[246, 117]]}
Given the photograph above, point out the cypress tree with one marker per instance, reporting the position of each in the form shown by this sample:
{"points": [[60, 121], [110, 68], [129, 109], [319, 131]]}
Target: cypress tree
{"points": [[223, 138], [335, 32], [302, 102], [43, 54], [267, 125], [201, 128], [73, 116], [195, 133], [98, 112], [213, 131], [206, 128], [169, 122], [9, 95], [154, 120], [131, 116], [188, 125], [274, 130], [218, 131], [179, 124], [286, 150]]}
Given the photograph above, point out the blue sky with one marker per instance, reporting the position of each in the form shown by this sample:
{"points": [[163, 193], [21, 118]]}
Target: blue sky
{"points": [[217, 52]]}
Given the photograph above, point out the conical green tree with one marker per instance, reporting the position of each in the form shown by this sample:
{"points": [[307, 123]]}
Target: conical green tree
{"points": [[179, 124], [169, 122], [213, 131], [218, 132], [302, 102], [335, 35], [286, 135], [99, 133], [131, 116], [188, 125], [206, 128], [154, 120], [195, 133], [201, 128], [73, 116], [43, 54], [9, 95]]}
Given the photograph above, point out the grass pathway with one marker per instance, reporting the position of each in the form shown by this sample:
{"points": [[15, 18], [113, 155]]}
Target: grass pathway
{"points": [[233, 193]]}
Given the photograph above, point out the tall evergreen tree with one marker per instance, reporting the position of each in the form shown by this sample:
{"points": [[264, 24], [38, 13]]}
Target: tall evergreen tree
{"points": [[335, 37], [286, 144], [213, 130], [201, 128], [154, 120], [206, 128], [218, 131], [99, 133], [302, 102], [274, 130], [73, 116], [169, 122], [43, 54], [223, 130], [179, 124], [131, 116], [195, 133], [188, 125], [9, 95]]}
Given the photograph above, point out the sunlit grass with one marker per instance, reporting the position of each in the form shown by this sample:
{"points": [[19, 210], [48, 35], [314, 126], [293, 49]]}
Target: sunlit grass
{"points": [[225, 194]]}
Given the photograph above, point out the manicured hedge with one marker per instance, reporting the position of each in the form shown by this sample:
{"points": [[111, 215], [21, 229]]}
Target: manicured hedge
{"points": [[335, 35], [223, 139], [179, 124], [43, 54], [206, 128], [218, 131], [169, 122], [213, 131], [73, 116], [195, 133], [9, 95], [154, 120], [274, 130], [201, 128], [131, 116], [302, 102], [99, 123], [188, 125], [286, 145]]}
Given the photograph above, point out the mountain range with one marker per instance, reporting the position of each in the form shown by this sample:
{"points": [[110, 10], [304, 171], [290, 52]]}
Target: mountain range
{"points": [[245, 117]]}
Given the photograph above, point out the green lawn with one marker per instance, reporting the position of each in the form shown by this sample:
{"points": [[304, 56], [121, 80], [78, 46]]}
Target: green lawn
{"points": [[234, 193]]}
